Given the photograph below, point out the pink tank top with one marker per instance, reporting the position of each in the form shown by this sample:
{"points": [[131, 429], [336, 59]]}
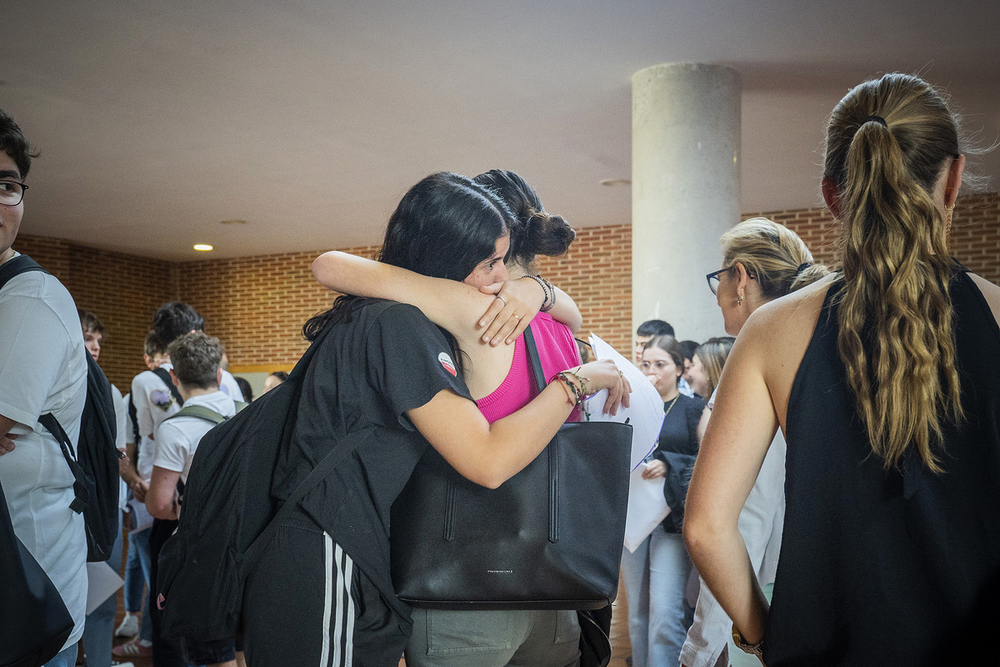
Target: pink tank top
{"points": [[557, 351]]}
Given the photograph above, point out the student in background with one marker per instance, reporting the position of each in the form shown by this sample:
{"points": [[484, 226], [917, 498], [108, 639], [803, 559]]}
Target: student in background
{"points": [[646, 332], [196, 371], [100, 626], [139, 521], [274, 379], [707, 363]]}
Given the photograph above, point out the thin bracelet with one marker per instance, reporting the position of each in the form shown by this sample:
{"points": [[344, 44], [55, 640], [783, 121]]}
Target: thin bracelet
{"points": [[581, 380], [563, 375]]}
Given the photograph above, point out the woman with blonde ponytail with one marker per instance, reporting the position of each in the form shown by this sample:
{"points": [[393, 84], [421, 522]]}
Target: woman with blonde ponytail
{"points": [[885, 380]]}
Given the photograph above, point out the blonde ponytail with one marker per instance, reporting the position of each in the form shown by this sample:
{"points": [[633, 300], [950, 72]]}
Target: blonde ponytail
{"points": [[887, 144]]}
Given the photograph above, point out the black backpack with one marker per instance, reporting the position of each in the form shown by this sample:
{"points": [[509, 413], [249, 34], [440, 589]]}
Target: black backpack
{"points": [[94, 461], [229, 515]]}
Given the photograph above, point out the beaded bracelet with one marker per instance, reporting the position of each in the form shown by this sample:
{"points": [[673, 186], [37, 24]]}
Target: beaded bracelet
{"points": [[548, 292], [578, 397]]}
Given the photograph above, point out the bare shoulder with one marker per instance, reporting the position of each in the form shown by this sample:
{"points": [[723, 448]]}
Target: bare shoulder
{"points": [[777, 335], [990, 292]]}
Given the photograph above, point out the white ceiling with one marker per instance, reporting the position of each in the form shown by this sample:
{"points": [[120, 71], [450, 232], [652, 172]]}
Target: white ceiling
{"points": [[310, 118]]}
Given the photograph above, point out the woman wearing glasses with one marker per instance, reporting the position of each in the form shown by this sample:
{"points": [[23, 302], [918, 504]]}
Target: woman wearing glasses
{"points": [[763, 261], [885, 379]]}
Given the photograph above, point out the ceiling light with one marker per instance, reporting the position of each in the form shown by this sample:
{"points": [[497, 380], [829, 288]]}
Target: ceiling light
{"points": [[203, 247], [615, 182]]}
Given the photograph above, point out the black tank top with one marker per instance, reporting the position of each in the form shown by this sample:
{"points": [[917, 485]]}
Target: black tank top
{"points": [[897, 567]]}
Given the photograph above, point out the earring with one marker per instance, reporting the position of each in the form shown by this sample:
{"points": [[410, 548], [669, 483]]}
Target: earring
{"points": [[739, 299]]}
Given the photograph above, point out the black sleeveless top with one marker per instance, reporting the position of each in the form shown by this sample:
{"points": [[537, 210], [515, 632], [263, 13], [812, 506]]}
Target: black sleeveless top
{"points": [[889, 567]]}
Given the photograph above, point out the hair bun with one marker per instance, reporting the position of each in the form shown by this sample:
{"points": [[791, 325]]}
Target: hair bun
{"points": [[548, 234]]}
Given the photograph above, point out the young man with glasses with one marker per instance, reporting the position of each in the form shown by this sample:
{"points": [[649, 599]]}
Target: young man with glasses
{"points": [[44, 371]]}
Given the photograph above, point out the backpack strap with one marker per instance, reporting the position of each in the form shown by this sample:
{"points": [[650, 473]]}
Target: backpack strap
{"points": [[49, 421], [164, 375], [199, 411], [17, 266], [133, 417], [315, 476]]}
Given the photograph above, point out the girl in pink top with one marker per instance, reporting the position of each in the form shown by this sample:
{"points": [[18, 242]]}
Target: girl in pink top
{"points": [[500, 379]]}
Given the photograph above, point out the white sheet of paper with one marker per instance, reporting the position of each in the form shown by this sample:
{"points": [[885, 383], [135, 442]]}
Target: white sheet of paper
{"points": [[646, 508], [102, 583], [645, 412]]}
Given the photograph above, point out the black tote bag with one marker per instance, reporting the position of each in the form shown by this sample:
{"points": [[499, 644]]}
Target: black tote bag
{"points": [[34, 621], [550, 537]]}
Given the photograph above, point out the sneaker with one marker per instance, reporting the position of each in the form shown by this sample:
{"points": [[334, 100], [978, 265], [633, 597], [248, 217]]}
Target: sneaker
{"points": [[129, 626], [135, 647]]}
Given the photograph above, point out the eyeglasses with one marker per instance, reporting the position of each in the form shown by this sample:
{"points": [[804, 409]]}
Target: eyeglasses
{"points": [[11, 192], [713, 278]]}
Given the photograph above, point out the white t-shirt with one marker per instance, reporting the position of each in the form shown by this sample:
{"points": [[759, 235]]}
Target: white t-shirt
{"points": [[43, 370], [177, 439], [121, 419], [153, 403], [230, 387]]}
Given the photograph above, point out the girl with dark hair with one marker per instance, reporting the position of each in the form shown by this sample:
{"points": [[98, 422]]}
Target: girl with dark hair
{"points": [[500, 382], [656, 573], [387, 379], [885, 379]]}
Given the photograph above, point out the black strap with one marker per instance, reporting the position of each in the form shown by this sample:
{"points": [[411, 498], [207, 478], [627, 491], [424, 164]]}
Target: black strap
{"points": [[49, 421], [133, 417], [324, 468], [164, 375], [536, 362], [17, 266]]}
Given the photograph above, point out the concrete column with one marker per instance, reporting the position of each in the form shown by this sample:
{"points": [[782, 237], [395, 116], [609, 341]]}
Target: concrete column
{"points": [[685, 191]]}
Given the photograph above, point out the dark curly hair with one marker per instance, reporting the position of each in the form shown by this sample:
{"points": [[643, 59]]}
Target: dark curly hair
{"points": [[13, 143]]}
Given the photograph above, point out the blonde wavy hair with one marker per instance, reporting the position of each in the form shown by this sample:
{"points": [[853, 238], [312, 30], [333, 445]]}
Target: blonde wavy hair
{"points": [[895, 312], [773, 254], [713, 354]]}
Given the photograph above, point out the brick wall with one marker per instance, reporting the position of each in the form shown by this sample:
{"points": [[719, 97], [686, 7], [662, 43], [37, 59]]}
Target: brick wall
{"points": [[122, 290], [257, 305], [975, 232]]}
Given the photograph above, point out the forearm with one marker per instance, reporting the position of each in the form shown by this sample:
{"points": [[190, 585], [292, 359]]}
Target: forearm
{"points": [[721, 558], [161, 499], [566, 311], [447, 303], [516, 440]]}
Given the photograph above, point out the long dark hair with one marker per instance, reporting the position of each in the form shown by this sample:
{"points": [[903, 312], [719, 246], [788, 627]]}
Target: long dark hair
{"points": [[534, 231], [443, 227]]}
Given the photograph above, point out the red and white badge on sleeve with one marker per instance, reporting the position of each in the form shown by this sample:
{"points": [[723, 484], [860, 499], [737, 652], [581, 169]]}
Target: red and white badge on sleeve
{"points": [[448, 364]]}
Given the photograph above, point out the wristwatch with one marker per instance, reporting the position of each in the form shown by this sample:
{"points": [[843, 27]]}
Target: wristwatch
{"points": [[745, 646]]}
